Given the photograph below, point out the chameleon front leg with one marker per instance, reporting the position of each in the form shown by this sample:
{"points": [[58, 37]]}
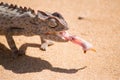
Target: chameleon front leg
{"points": [[45, 43], [11, 43]]}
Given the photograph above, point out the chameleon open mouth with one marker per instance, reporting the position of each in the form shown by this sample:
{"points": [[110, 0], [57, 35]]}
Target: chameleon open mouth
{"points": [[62, 34]]}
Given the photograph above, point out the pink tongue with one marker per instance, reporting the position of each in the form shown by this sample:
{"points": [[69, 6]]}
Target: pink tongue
{"points": [[77, 40]]}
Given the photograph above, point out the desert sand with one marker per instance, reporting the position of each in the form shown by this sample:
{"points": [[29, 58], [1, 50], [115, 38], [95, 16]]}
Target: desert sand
{"points": [[66, 61]]}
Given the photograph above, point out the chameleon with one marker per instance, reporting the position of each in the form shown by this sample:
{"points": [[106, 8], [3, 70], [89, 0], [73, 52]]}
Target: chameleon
{"points": [[16, 20]]}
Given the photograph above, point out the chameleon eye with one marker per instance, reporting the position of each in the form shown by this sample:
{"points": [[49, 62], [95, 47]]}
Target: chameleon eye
{"points": [[52, 23]]}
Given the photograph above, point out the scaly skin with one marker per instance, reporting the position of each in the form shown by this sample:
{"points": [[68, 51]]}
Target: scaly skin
{"points": [[24, 21]]}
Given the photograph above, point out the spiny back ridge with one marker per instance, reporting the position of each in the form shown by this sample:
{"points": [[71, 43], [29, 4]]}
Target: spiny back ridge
{"points": [[19, 9]]}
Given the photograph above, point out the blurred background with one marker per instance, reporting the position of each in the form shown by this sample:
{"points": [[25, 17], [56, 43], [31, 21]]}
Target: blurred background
{"points": [[65, 61]]}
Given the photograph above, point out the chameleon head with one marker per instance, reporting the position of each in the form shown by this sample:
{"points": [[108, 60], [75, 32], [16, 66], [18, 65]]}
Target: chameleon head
{"points": [[55, 23]]}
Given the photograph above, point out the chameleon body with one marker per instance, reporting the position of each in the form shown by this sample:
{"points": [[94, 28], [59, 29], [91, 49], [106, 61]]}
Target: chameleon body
{"points": [[16, 20]]}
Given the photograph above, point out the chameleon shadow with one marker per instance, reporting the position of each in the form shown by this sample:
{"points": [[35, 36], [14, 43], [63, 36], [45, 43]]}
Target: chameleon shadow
{"points": [[28, 64]]}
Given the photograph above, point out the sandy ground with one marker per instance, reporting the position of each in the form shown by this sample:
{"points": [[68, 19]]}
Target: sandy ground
{"points": [[66, 61]]}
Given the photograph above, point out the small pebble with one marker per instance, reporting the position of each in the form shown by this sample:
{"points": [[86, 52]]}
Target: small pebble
{"points": [[80, 18]]}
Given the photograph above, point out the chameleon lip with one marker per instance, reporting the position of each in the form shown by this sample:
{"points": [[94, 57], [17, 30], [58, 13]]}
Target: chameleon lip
{"points": [[62, 34]]}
